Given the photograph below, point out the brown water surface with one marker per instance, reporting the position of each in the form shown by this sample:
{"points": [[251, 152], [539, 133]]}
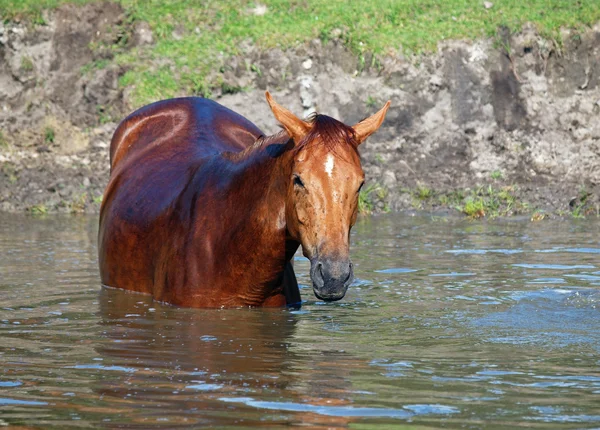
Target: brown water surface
{"points": [[449, 323]]}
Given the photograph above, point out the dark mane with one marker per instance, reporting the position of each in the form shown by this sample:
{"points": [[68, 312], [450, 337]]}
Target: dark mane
{"points": [[330, 131], [325, 131]]}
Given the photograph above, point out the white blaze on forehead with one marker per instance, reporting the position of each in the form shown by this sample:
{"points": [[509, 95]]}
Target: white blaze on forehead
{"points": [[329, 164]]}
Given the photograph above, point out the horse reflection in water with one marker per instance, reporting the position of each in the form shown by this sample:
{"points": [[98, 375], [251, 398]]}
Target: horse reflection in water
{"points": [[180, 362]]}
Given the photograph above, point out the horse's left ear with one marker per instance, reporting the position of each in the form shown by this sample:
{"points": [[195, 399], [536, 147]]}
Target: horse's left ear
{"points": [[295, 127], [368, 126]]}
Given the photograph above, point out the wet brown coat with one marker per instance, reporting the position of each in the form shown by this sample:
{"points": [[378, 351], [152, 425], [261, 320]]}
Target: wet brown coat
{"points": [[197, 209]]}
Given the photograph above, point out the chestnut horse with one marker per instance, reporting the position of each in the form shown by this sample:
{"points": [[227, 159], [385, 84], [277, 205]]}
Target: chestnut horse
{"points": [[202, 210]]}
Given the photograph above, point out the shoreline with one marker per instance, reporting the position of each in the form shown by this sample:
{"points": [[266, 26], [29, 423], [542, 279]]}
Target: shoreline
{"points": [[477, 128]]}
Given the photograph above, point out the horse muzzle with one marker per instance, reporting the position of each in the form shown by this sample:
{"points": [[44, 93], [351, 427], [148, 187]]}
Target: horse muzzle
{"points": [[331, 278]]}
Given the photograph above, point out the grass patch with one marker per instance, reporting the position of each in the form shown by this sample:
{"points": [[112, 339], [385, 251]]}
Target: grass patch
{"points": [[451, 199], [230, 89], [423, 192], [538, 215], [475, 207], [369, 196], [40, 209], [371, 102], [94, 65], [26, 64], [485, 201], [584, 205], [104, 114], [192, 38], [78, 204], [496, 175], [49, 135]]}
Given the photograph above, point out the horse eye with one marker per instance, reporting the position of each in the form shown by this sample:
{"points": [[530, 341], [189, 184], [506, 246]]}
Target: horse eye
{"points": [[298, 181]]}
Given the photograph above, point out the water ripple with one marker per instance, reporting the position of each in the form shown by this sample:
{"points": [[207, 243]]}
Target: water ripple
{"points": [[345, 411]]}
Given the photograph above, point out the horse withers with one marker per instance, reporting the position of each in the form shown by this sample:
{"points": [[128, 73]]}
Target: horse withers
{"points": [[202, 210]]}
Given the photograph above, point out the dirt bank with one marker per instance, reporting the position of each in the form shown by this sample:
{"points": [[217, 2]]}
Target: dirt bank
{"points": [[492, 127]]}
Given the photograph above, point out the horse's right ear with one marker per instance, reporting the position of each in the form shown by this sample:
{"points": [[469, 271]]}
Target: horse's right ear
{"points": [[368, 126], [295, 127]]}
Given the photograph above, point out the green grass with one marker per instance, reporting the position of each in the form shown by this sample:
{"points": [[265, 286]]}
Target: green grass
{"points": [[49, 135], [40, 209], [475, 207], [98, 64], [423, 192], [582, 205], [77, 205], [369, 196], [496, 202], [26, 64], [212, 30], [365, 199], [485, 201], [371, 102], [496, 175], [538, 215]]}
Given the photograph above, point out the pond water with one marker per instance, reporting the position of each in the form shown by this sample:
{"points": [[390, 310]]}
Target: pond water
{"points": [[450, 323]]}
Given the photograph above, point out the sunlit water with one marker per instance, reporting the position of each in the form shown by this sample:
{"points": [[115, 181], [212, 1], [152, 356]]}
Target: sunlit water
{"points": [[449, 323]]}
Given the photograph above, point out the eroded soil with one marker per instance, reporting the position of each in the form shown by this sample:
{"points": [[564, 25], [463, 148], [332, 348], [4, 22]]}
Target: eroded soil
{"points": [[474, 122]]}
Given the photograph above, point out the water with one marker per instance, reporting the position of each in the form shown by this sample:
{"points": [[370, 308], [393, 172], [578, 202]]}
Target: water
{"points": [[450, 323]]}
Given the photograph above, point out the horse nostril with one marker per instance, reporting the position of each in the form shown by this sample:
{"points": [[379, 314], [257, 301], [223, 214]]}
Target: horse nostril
{"points": [[320, 270], [350, 273]]}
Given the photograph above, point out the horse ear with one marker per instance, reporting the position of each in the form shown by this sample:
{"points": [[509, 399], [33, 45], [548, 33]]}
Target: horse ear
{"points": [[295, 127], [368, 126]]}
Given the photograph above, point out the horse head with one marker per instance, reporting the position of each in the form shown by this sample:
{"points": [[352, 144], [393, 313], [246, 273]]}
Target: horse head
{"points": [[322, 193]]}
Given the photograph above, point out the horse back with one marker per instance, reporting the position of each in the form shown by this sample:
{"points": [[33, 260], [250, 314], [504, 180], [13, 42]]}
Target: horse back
{"points": [[194, 125]]}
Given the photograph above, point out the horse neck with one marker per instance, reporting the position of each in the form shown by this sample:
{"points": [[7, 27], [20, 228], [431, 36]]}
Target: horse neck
{"points": [[266, 168]]}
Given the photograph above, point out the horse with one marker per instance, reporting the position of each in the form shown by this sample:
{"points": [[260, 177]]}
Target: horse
{"points": [[203, 210]]}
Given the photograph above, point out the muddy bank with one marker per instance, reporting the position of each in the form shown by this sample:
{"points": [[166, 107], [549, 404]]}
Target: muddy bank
{"points": [[512, 126]]}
